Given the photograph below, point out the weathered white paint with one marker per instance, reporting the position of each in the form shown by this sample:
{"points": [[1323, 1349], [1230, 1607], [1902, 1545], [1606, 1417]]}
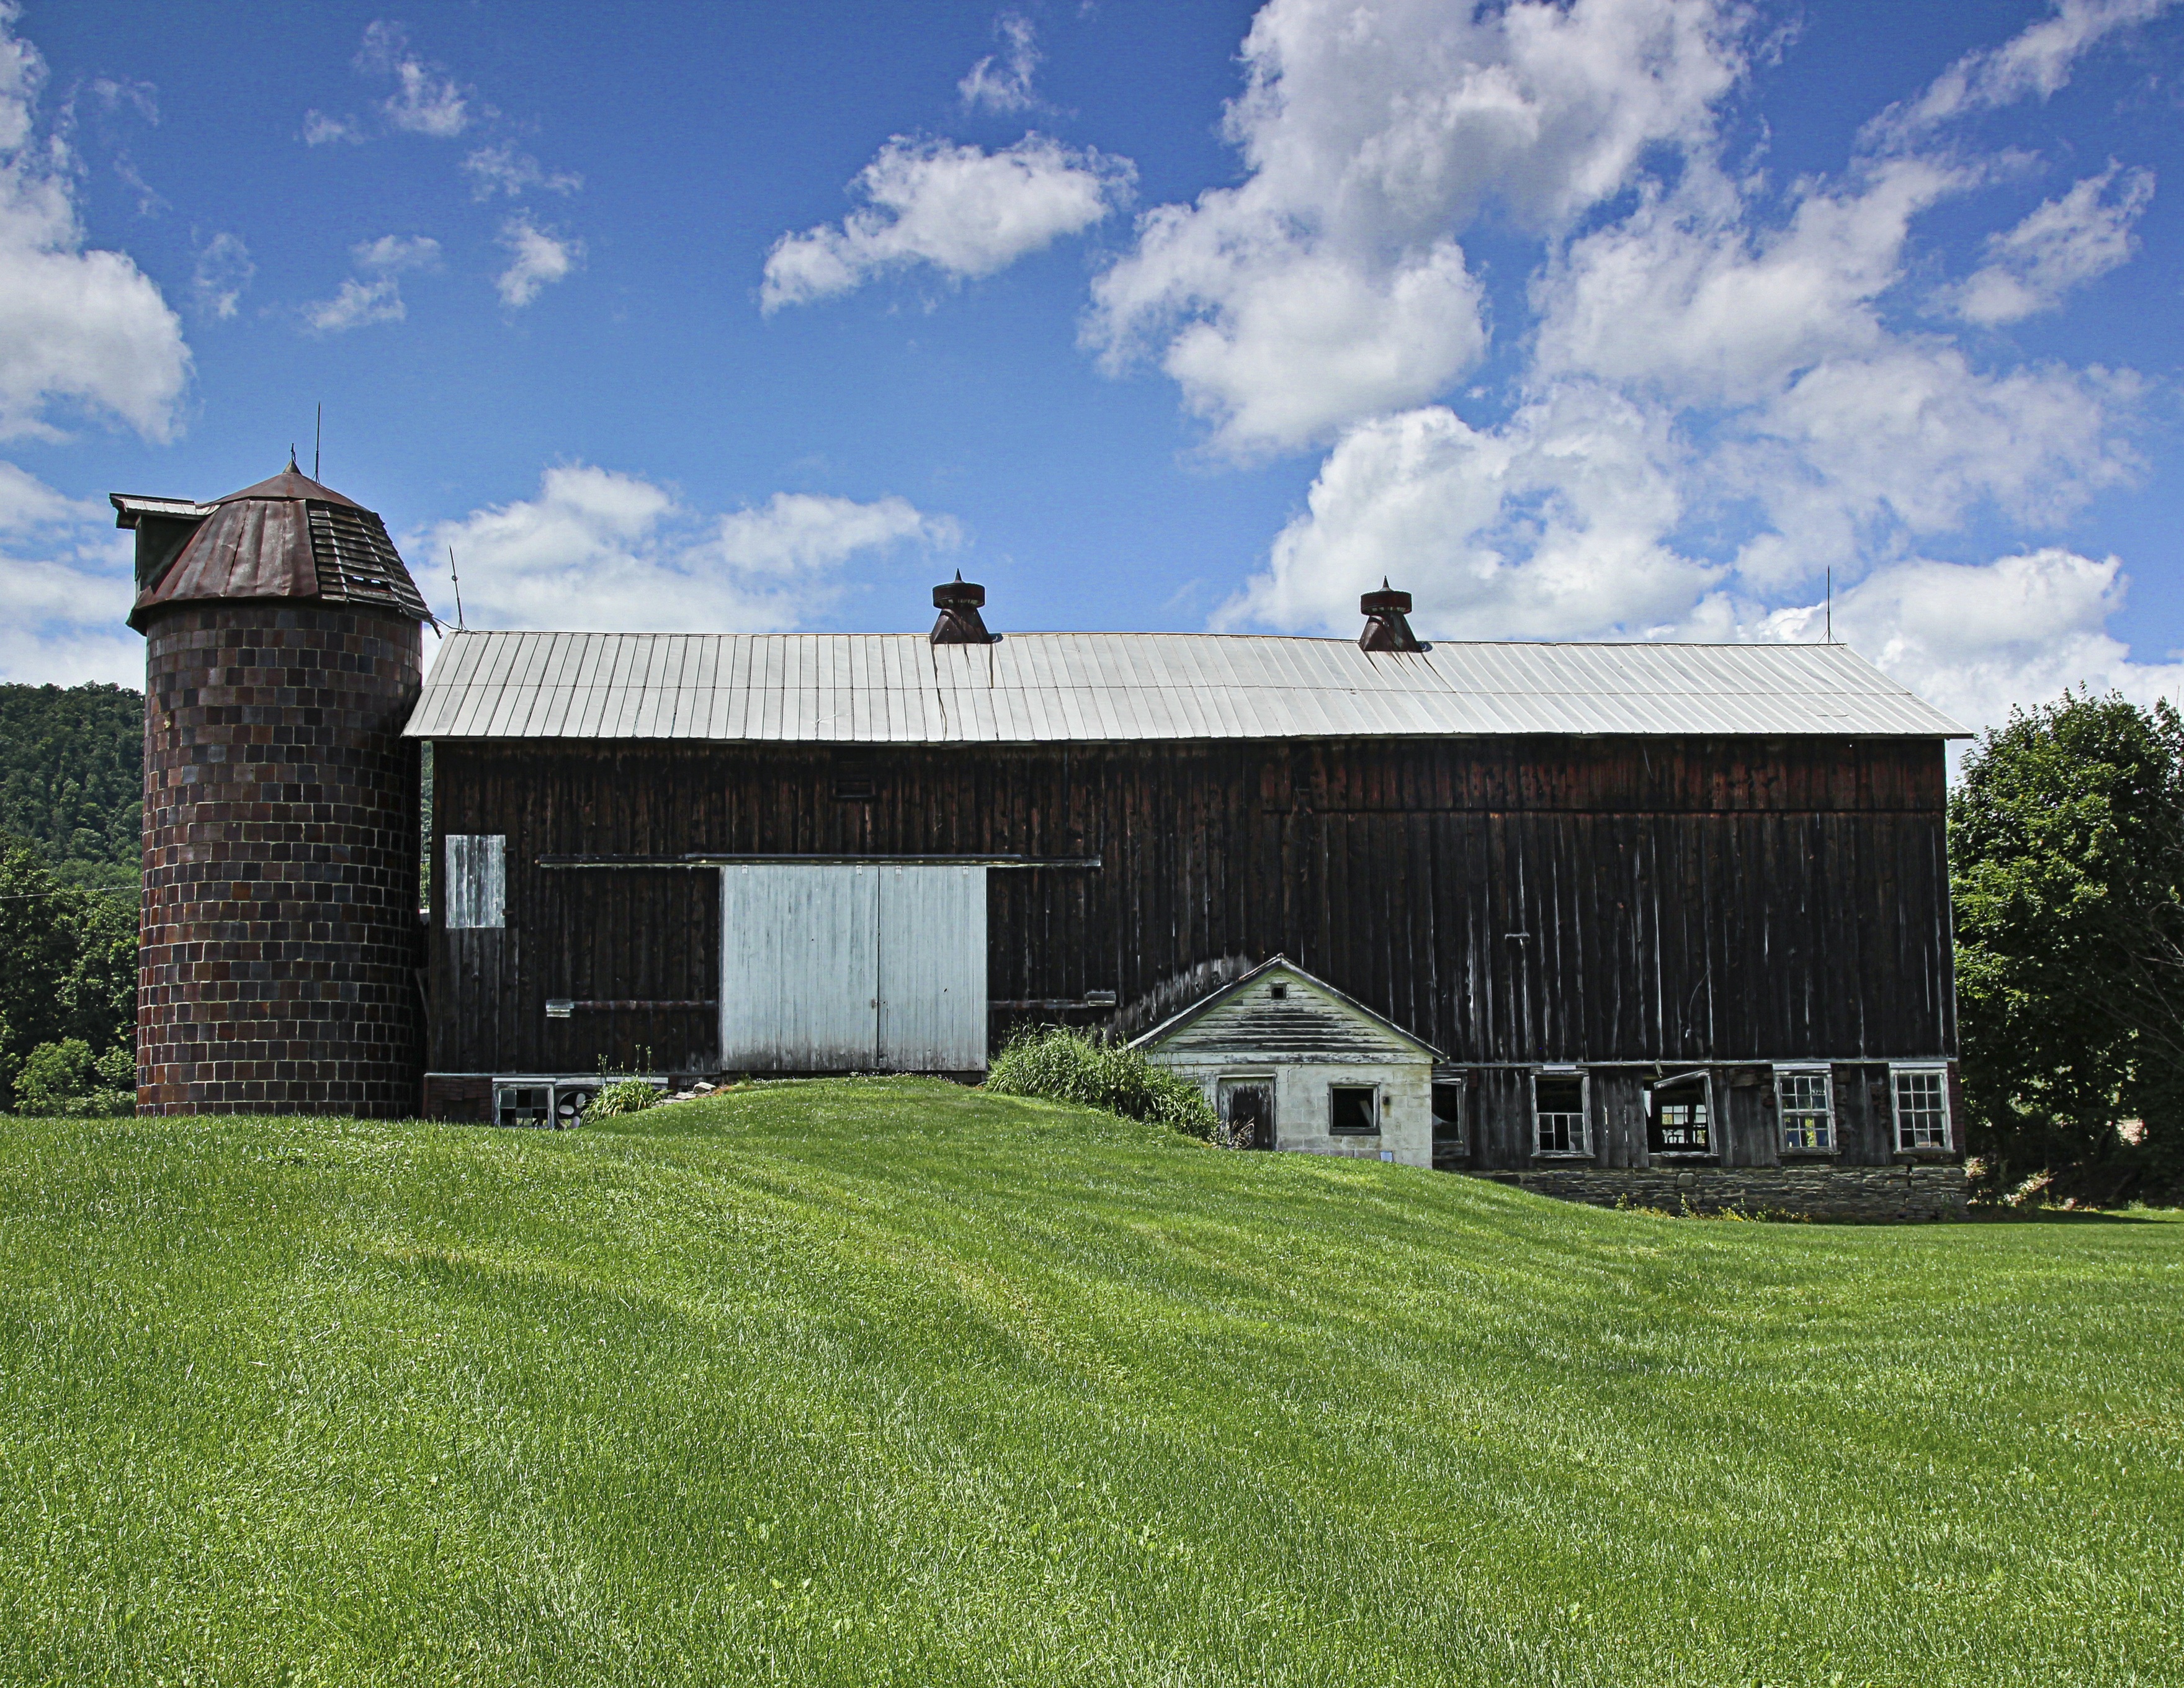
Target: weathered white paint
{"points": [[933, 969], [1281, 1021], [849, 968], [476, 866]]}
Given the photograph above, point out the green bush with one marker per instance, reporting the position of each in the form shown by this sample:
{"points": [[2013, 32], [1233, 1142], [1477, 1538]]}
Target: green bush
{"points": [[61, 1078], [631, 1095], [1064, 1066]]}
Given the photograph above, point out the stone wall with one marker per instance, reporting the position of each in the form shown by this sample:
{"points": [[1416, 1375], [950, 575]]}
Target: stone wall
{"points": [[1892, 1193], [280, 940]]}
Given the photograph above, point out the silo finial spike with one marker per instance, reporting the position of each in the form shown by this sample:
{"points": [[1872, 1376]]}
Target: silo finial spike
{"points": [[292, 457]]}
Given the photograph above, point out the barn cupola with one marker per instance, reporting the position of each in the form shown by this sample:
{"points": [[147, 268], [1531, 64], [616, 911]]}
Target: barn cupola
{"points": [[958, 601], [279, 944], [1387, 625]]}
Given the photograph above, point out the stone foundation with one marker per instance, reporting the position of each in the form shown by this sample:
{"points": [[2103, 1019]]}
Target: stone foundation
{"points": [[1874, 1194]]}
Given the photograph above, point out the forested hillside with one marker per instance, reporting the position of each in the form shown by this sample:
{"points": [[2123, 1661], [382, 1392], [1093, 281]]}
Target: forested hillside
{"points": [[72, 778]]}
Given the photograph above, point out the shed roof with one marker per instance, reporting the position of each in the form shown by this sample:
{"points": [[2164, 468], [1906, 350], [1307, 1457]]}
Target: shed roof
{"points": [[1297, 1027], [900, 689]]}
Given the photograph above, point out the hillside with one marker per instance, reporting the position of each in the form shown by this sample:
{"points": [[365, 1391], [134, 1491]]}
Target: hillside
{"points": [[890, 1382], [72, 778]]}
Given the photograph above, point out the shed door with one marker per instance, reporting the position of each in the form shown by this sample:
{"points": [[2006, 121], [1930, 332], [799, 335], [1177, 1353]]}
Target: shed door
{"points": [[837, 969]]}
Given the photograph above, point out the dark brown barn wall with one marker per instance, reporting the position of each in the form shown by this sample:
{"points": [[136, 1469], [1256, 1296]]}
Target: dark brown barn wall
{"points": [[1511, 900], [278, 970]]}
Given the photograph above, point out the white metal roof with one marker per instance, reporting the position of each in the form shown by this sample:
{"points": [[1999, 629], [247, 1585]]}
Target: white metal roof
{"points": [[899, 688]]}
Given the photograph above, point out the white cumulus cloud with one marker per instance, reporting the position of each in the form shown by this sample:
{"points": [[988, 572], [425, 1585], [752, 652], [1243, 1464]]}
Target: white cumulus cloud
{"points": [[223, 270], [2062, 244], [66, 583], [425, 101], [501, 169], [958, 209], [1001, 82], [80, 331], [535, 258], [600, 549], [375, 296]]}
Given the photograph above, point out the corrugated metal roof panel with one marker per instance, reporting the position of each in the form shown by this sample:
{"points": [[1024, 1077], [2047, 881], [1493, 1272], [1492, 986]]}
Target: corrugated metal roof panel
{"points": [[1035, 688]]}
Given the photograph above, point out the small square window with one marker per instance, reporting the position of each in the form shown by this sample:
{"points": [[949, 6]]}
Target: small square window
{"points": [[1922, 1107], [1354, 1109], [1805, 1098], [1279, 991], [1558, 1113]]}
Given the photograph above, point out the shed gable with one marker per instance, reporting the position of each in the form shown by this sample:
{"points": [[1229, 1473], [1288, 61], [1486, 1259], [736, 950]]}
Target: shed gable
{"points": [[1307, 1022]]}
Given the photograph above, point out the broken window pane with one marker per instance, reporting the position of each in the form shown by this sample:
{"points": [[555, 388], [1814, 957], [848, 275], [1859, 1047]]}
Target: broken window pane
{"points": [[1558, 1113], [1808, 1109], [1679, 1125], [1354, 1109]]}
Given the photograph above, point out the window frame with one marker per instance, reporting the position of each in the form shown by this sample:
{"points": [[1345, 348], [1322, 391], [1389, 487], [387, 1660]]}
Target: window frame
{"points": [[1703, 1078], [1581, 1149], [1833, 1130], [1898, 1071], [1372, 1090]]}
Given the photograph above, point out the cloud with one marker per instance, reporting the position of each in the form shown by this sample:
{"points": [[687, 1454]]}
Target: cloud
{"points": [[1330, 284], [2035, 62], [2062, 244], [425, 100], [66, 583], [322, 131], [377, 296], [80, 331], [958, 209], [502, 169], [603, 550], [223, 270], [537, 258], [1001, 82]]}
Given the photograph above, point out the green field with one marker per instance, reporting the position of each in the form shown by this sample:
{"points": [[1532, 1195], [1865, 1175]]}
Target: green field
{"points": [[891, 1382]]}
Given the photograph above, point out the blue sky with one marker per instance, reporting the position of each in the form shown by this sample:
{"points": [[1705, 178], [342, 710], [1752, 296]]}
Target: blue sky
{"points": [[1624, 318]]}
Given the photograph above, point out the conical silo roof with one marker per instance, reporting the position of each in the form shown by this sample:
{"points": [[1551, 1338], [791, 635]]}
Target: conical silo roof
{"points": [[288, 537]]}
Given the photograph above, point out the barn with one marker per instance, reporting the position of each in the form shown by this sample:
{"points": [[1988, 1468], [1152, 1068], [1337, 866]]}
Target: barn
{"points": [[1669, 922]]}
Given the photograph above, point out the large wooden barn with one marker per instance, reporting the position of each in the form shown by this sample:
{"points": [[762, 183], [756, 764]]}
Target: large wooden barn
{"points": [[1668, 923]]}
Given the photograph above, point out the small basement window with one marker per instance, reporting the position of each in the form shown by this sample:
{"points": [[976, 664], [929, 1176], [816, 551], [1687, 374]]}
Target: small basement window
{"points": [[1922, 1107], [1558, 1110], [1679, 1124], [1353, 1110], [1805, 1097]]}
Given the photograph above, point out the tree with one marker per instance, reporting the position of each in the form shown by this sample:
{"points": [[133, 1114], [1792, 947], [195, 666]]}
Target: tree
{"points": [[2066, 837], [70, 968]]}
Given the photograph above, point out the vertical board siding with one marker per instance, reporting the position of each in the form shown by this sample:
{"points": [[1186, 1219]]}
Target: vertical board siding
{"points": [[477, 873], [1691, 901], [799, 971]]}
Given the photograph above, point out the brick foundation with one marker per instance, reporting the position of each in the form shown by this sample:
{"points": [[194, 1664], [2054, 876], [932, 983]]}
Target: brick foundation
{"points": [[1894, 1193], [281, 941]]}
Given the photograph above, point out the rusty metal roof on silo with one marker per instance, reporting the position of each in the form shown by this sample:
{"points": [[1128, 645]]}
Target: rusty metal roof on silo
{"points": [[899, 688], [286, 538]]}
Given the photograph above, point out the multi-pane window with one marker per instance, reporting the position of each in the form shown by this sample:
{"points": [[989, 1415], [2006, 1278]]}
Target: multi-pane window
{"points": [[1922, 1107], [1679, 1125], [1558, 1113], [1807, 1110]]}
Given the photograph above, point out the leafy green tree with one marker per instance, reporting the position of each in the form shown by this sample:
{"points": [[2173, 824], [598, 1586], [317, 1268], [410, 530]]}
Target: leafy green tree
{"points": [[71, 964], [72, 778], [2066, 836]]}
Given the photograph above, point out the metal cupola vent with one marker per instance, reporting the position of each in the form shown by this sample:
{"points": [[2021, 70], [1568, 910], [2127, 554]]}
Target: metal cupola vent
{"points": [[286, 538]]}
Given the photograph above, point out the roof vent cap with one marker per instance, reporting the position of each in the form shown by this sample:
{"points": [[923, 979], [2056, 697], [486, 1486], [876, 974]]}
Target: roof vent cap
{"points": [[1386, 628], [958, 601]]}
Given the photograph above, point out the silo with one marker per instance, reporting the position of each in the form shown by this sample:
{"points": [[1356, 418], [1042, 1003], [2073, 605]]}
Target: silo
{"points": [[277, 971]]}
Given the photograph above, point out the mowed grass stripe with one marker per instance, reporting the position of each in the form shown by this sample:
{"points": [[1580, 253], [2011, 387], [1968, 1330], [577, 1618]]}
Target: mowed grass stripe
{"points": [[894, 1382]]}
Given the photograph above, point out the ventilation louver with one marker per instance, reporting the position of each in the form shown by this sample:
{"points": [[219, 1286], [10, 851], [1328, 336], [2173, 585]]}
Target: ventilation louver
{"points": [[357, 564]]}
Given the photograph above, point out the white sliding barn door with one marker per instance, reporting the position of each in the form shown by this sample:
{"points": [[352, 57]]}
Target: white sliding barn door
{"points": [[933, 969], [799, 969], [840, 969]]}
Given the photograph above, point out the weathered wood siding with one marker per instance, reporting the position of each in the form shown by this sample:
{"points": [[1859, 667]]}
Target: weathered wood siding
{"points": [[1510, 901]]}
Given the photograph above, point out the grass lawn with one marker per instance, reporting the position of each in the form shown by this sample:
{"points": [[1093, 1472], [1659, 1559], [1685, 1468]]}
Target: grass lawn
{"points": [[892, 1382]]}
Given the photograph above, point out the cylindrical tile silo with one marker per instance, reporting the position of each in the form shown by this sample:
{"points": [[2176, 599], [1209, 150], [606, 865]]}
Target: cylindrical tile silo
{"points": [[280, 946]]}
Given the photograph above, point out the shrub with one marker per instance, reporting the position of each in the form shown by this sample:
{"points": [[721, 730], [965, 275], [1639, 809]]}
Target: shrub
{"points": [[1064, 1066], [630, 1096], [61, 1078]]}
